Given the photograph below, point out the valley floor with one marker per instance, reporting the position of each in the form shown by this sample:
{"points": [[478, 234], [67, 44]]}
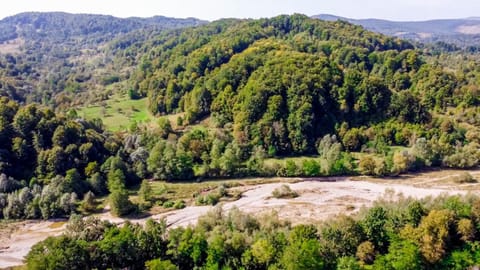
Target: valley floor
{"points": [[318, 200]]}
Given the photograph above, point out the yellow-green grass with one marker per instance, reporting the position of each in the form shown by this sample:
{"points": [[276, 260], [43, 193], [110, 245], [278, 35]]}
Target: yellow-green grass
{"points": [[57, 224], [283, 160], [187, 190], [118, 113]]}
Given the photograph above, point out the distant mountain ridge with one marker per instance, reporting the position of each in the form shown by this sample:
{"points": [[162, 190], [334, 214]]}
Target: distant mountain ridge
{"points": [[462, 32], [60, 25]]}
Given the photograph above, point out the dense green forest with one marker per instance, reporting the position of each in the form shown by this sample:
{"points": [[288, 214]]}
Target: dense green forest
{"points": [[285, 96], [237, 98], [291, 85], [61, 59], [440, 233]]}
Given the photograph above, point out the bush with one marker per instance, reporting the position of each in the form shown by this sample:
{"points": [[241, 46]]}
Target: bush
{"points": [[367, 165], [465, 157], [291, 168], [145, 192], [159, 264], [132, 94], [168, 204], [222, 190], [366, 252], [349, 263], [212, 198], [208, 199], [164, 127], [311, 167], [180, 204], [284, 192], [464, 178]]}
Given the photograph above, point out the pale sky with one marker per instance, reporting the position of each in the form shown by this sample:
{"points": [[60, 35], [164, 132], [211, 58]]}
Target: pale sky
{"points": [[215, 9]]}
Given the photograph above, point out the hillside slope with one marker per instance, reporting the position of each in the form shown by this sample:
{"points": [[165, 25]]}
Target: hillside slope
{"points": [[54, 57], [285, 82], [59, 26]]}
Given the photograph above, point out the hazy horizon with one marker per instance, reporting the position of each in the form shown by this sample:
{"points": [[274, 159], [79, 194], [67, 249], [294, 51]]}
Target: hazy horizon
{"points": [[408, 10]]}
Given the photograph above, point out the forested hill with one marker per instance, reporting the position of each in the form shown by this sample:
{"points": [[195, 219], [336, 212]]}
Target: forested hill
{"points": [[59, 26], [285, 96], [55, 58], [284, 82], [262, 58], [461, 32]]}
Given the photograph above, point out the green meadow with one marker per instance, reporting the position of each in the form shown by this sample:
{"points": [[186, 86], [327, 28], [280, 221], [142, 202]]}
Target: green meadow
{"points": [[118, 112]]}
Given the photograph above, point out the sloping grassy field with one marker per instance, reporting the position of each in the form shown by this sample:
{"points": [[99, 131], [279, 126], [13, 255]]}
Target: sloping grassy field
{"points": [[118, 113]]}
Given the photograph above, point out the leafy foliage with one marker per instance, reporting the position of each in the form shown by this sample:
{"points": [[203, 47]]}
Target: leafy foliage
{"points": [[285, 96], [233, 240], [58, 57]]}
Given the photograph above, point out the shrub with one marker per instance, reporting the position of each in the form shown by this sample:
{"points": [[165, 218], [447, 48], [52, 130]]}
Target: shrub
{"points": [[159, 264], [213, 197], [464, 178], [349, 263], [168, 204], [291, 168], [132, 94], [311, 167], [208, 199], [366, 252], [180, 204], [110, 80], [283, 192], [368, 165]]}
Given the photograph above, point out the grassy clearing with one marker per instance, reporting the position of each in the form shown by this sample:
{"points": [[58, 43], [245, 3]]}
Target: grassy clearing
{"points": [[118, 113], [189, 191]]}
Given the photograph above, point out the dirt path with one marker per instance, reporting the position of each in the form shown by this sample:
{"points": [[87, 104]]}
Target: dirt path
{"points": [[317, 200]]}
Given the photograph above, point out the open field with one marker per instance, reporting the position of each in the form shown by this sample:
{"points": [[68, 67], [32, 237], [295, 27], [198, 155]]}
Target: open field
{"points": [[187, 191], [319, 199], [12, 46], [118, 113]]}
